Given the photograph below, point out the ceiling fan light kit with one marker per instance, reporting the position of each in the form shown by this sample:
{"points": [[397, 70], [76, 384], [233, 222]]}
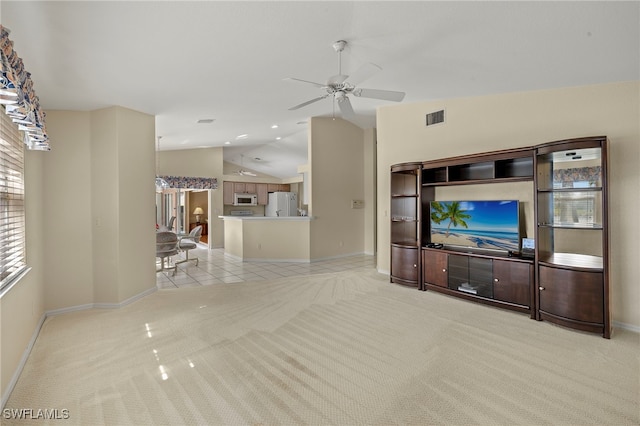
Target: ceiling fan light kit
{"points": [[340, 88]]}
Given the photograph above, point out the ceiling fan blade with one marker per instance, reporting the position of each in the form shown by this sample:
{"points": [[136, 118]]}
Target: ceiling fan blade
{"points": [[337, 79], [306, 81], [345, 107], [387, 95], [363, 73], [308, 102]]}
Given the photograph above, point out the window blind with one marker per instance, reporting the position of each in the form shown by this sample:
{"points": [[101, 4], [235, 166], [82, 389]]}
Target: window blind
{"points": [[12, 214]]}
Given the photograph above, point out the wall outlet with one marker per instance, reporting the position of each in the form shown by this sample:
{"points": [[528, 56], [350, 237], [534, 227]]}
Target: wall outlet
{"points": [[357, 204]]}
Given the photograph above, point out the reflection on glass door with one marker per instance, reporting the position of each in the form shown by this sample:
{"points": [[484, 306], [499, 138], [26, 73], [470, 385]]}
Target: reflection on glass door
{"points": [[182, 219]]}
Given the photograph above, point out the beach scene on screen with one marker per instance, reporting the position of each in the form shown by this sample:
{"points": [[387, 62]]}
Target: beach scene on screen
{"points": [[478, 224]]}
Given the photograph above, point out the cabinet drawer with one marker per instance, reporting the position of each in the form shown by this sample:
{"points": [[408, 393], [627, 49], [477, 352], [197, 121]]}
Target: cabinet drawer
{"points": [[576, 295]]}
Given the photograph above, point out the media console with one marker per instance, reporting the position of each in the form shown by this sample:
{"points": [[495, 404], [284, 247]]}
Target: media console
{"points": [[564, 279]]}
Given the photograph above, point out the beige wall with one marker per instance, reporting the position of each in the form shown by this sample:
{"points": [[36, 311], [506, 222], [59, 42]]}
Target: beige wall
{"points": [[68, 236], [206, 162], [524, 119], [90, 215], [135, 211], [336, 158], [369, 222]]}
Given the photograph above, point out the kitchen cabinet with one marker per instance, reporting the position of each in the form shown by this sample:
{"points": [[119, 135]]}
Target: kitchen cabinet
{"points": [[260, 189], [278, 187], [263, 194], [227, 192]]}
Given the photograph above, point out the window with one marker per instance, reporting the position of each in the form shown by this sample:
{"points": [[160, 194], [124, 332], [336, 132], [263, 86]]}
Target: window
{"points": [[12, 215]]}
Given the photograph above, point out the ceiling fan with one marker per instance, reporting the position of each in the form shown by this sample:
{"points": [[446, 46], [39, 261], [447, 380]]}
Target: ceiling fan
{"points": [[338, 86], [242, 171]]}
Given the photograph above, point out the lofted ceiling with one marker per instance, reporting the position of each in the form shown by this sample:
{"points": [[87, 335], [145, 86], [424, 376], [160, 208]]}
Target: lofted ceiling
{"points": [[187, 61]]}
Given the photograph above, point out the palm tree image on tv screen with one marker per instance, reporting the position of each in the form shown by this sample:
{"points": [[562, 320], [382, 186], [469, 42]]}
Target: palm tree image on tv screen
{"points": [[478, 224]]}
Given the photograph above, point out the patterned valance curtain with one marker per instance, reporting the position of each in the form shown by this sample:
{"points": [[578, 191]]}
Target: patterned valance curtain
{"points": [[187, 182], [20, 101]]}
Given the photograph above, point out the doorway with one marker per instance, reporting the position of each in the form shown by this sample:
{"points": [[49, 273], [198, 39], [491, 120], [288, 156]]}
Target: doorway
{"points": [[179, 210]]}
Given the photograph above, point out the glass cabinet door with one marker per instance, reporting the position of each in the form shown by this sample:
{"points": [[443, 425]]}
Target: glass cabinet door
{"points": [[571, 207]]}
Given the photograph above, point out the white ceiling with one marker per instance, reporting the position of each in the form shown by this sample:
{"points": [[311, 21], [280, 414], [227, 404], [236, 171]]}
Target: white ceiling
{"points": [[186, 61]]}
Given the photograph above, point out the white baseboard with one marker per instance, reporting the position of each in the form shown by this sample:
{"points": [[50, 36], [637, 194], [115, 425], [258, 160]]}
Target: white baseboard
{"points": [[340, 256], [23, 361], [626, 326], [54, 312], [263, 260], [100, 305], [319, 259]]}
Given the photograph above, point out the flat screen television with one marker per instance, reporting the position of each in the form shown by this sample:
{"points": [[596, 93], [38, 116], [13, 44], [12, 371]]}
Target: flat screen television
{"points": [[491, 225]]}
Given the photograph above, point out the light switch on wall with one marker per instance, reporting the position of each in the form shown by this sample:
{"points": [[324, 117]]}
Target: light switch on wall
{"points": [[357, 204]]}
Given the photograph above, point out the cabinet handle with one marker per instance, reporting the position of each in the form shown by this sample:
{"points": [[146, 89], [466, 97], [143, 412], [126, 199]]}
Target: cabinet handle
{"points": [[495, 280], [444, 270], [540, 288], [415, 266]]}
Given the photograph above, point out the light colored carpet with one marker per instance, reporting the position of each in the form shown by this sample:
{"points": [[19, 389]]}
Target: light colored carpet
{"points": [[344, 349]]}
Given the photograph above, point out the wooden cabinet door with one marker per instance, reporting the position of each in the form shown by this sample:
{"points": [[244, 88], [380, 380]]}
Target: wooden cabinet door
{"points": [[576, 295], [273, 187], [227, 193], [250, 188], [263, 194], [435, 268], [240, 187], [404, 265], [512, 281], [285, 187]]}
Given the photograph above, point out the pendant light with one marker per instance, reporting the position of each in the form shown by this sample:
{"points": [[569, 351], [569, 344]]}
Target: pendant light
{"points": [[161, 184]]}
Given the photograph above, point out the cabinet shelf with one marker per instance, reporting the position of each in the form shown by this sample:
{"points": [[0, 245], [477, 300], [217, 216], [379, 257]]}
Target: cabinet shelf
{"points": [[503, 166], [405, 223], [586, 227], [405, 244], [567, 189], [476, 181], [573, 260]]}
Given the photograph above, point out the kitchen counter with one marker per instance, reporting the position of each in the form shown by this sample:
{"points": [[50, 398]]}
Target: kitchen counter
{"points": [[267, 238], [266, 217]]}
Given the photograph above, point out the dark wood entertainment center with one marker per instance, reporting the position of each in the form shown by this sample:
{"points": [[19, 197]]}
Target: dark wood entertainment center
{"points": [[567, 279]]}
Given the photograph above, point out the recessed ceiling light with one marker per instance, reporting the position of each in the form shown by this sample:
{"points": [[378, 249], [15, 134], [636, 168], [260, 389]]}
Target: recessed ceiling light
{"points": [[227, 143], [275, 126], [205, 121], [278, 138], [242, 136]]}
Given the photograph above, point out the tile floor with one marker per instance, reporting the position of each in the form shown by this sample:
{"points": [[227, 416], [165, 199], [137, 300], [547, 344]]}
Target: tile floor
{"points": [[214, 267]]}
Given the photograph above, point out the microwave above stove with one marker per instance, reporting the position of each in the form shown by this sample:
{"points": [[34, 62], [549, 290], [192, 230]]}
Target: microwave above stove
{"points": [[245, 199]]}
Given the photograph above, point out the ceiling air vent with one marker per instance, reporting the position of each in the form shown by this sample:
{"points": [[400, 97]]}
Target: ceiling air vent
{"points": [[435, 117]]}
